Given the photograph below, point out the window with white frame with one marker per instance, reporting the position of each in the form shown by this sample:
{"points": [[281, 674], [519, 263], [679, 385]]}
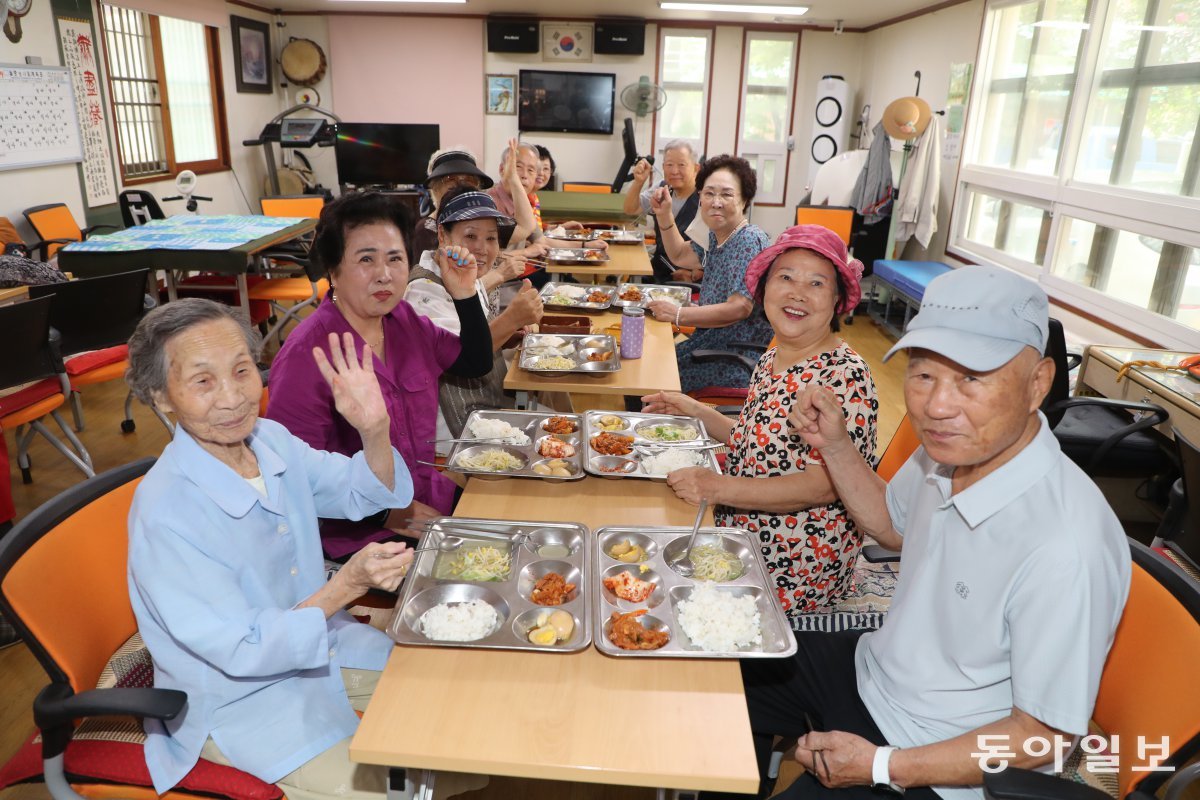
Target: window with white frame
{"points": [[165, 94], [1081, 163], [767, 87], [683, 73]]}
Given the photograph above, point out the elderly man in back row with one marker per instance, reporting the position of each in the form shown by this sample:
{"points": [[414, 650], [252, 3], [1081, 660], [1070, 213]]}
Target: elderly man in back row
{"points": [[679, 169], [1014, 570]]}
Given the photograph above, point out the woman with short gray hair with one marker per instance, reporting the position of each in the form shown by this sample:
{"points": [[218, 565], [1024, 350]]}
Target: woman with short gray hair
{"points": [[226, 576]]}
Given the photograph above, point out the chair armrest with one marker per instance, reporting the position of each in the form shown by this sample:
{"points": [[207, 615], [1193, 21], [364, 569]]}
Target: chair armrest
{"points": [[44, 246], [1073, 360], [729, 411], [89, 231], [878, 554], [715, 356], [754, 347], [56, 708], [1024, 784], [1152, 415]]}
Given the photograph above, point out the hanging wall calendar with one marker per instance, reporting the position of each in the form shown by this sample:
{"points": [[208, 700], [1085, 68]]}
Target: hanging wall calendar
{"points": [[37, 117]]}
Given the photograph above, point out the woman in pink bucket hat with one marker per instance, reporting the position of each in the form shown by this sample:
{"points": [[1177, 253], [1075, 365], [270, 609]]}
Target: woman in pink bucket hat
{"points": [[773, 483]]}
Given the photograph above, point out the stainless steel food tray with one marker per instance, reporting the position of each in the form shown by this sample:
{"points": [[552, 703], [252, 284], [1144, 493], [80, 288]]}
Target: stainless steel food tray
{"points": [[509, 597], [679, 295], [573, 235], [551, 288], [576, 255], [618, 236], [594, 461], [671, 588], [530, 423], [576, 347]]}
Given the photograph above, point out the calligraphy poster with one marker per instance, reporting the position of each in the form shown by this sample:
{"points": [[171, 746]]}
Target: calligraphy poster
{"points": [[79, 56]]}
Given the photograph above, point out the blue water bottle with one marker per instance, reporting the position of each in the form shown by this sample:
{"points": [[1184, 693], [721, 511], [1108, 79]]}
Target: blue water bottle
{"points": [[633, 329]]}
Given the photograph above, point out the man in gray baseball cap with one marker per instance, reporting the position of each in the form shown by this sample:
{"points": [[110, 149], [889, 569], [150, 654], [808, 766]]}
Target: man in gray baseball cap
{"points": [[1013, 576]]}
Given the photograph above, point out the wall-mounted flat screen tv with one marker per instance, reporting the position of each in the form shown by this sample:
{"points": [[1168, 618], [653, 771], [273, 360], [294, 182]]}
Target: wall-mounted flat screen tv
{"points": [[566, 102], [379, 153]]}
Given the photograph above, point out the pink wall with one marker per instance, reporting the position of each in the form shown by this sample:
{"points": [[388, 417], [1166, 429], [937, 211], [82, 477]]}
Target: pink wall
{"points": [[410, 69]]}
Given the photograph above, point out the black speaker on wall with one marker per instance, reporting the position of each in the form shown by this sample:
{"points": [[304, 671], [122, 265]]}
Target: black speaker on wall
{"points": [[512, 35], [620, 38]]}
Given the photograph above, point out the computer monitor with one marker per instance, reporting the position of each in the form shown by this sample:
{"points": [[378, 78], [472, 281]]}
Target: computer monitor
{"points": [[384, 154]]}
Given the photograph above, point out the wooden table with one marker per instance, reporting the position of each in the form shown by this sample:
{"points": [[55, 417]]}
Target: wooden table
{"points": [[624, 261], [656, 370], [1177, 392], [583, 717]]}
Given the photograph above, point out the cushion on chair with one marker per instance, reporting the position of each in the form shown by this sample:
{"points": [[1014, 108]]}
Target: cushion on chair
{"points": [[27, 396], [109, 749], [1083, 428], [94, 359]]}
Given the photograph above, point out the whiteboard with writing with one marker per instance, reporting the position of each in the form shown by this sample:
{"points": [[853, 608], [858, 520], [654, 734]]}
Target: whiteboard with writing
{"points": [[38, 124]]}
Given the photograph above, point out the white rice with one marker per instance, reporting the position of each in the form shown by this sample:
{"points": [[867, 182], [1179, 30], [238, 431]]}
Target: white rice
{"points": [[717, 621], [672, 459], [571, 290], [459, 622], [498, 430]]}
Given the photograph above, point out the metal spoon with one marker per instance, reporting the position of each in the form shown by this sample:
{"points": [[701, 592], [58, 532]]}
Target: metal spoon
{"points": [[683, 565]]}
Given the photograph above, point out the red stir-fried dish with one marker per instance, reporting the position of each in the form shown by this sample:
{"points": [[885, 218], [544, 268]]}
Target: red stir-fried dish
{"points": [[627, 587], [629, 634], [551, 589]]}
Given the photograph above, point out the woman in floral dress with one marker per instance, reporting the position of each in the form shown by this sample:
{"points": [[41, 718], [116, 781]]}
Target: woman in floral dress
{"points": [[773, 484]]}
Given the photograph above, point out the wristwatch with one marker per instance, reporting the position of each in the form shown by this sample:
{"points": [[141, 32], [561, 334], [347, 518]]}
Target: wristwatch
{"points": [[881, 777]]}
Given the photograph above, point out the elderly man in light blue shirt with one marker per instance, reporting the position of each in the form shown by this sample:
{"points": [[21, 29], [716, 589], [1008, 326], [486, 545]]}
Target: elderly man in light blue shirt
{"points": [[226, 574], [1014, 571]]}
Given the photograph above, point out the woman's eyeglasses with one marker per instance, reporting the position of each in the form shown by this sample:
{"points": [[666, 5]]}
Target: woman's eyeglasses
{"points": [[709, 196]]}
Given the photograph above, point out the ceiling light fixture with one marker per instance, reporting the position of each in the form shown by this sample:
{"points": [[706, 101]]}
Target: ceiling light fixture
{"points": [[736, 8]]}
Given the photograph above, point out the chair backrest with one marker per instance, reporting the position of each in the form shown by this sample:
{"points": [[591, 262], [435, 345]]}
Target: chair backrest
{"points": [[94, 313], [53, 221], [62, 576], [25, 330], [839, 219], [903, 444], [293, 205], [138, 207], [1060, 387], [1185, 540], [594, 188], [1148, 687]]}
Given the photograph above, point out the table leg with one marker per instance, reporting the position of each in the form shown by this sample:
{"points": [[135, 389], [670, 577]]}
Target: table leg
{"points": [[243, 294], [406, 784], [172, 290]]}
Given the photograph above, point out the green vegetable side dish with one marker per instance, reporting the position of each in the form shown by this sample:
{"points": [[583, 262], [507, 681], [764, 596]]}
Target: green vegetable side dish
{"points": [[669, 433], [483, 563]]}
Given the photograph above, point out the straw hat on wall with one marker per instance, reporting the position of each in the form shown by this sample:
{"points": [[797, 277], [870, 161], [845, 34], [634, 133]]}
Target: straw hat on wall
{"points": [[906, 118]]}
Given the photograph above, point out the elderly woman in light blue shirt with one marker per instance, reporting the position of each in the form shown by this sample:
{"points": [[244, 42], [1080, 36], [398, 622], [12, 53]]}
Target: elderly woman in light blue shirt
{"points": [[226, 574]]}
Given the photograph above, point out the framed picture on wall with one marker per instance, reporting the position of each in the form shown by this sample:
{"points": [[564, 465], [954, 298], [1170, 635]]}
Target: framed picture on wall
{"points": [[251, 55], [500, 94], [567, 41]]}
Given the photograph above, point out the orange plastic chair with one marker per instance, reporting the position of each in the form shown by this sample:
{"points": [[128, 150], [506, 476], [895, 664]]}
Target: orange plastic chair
{"points": [[94, 318], [293, 205], [34, 371], [1147, 692], [903, 444], [592, 188], [55, 225], [300, 292], [839, 219], [63, 585]]}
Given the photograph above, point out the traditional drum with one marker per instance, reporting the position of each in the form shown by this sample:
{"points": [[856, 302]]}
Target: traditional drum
{"points": [[303, 61]]}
